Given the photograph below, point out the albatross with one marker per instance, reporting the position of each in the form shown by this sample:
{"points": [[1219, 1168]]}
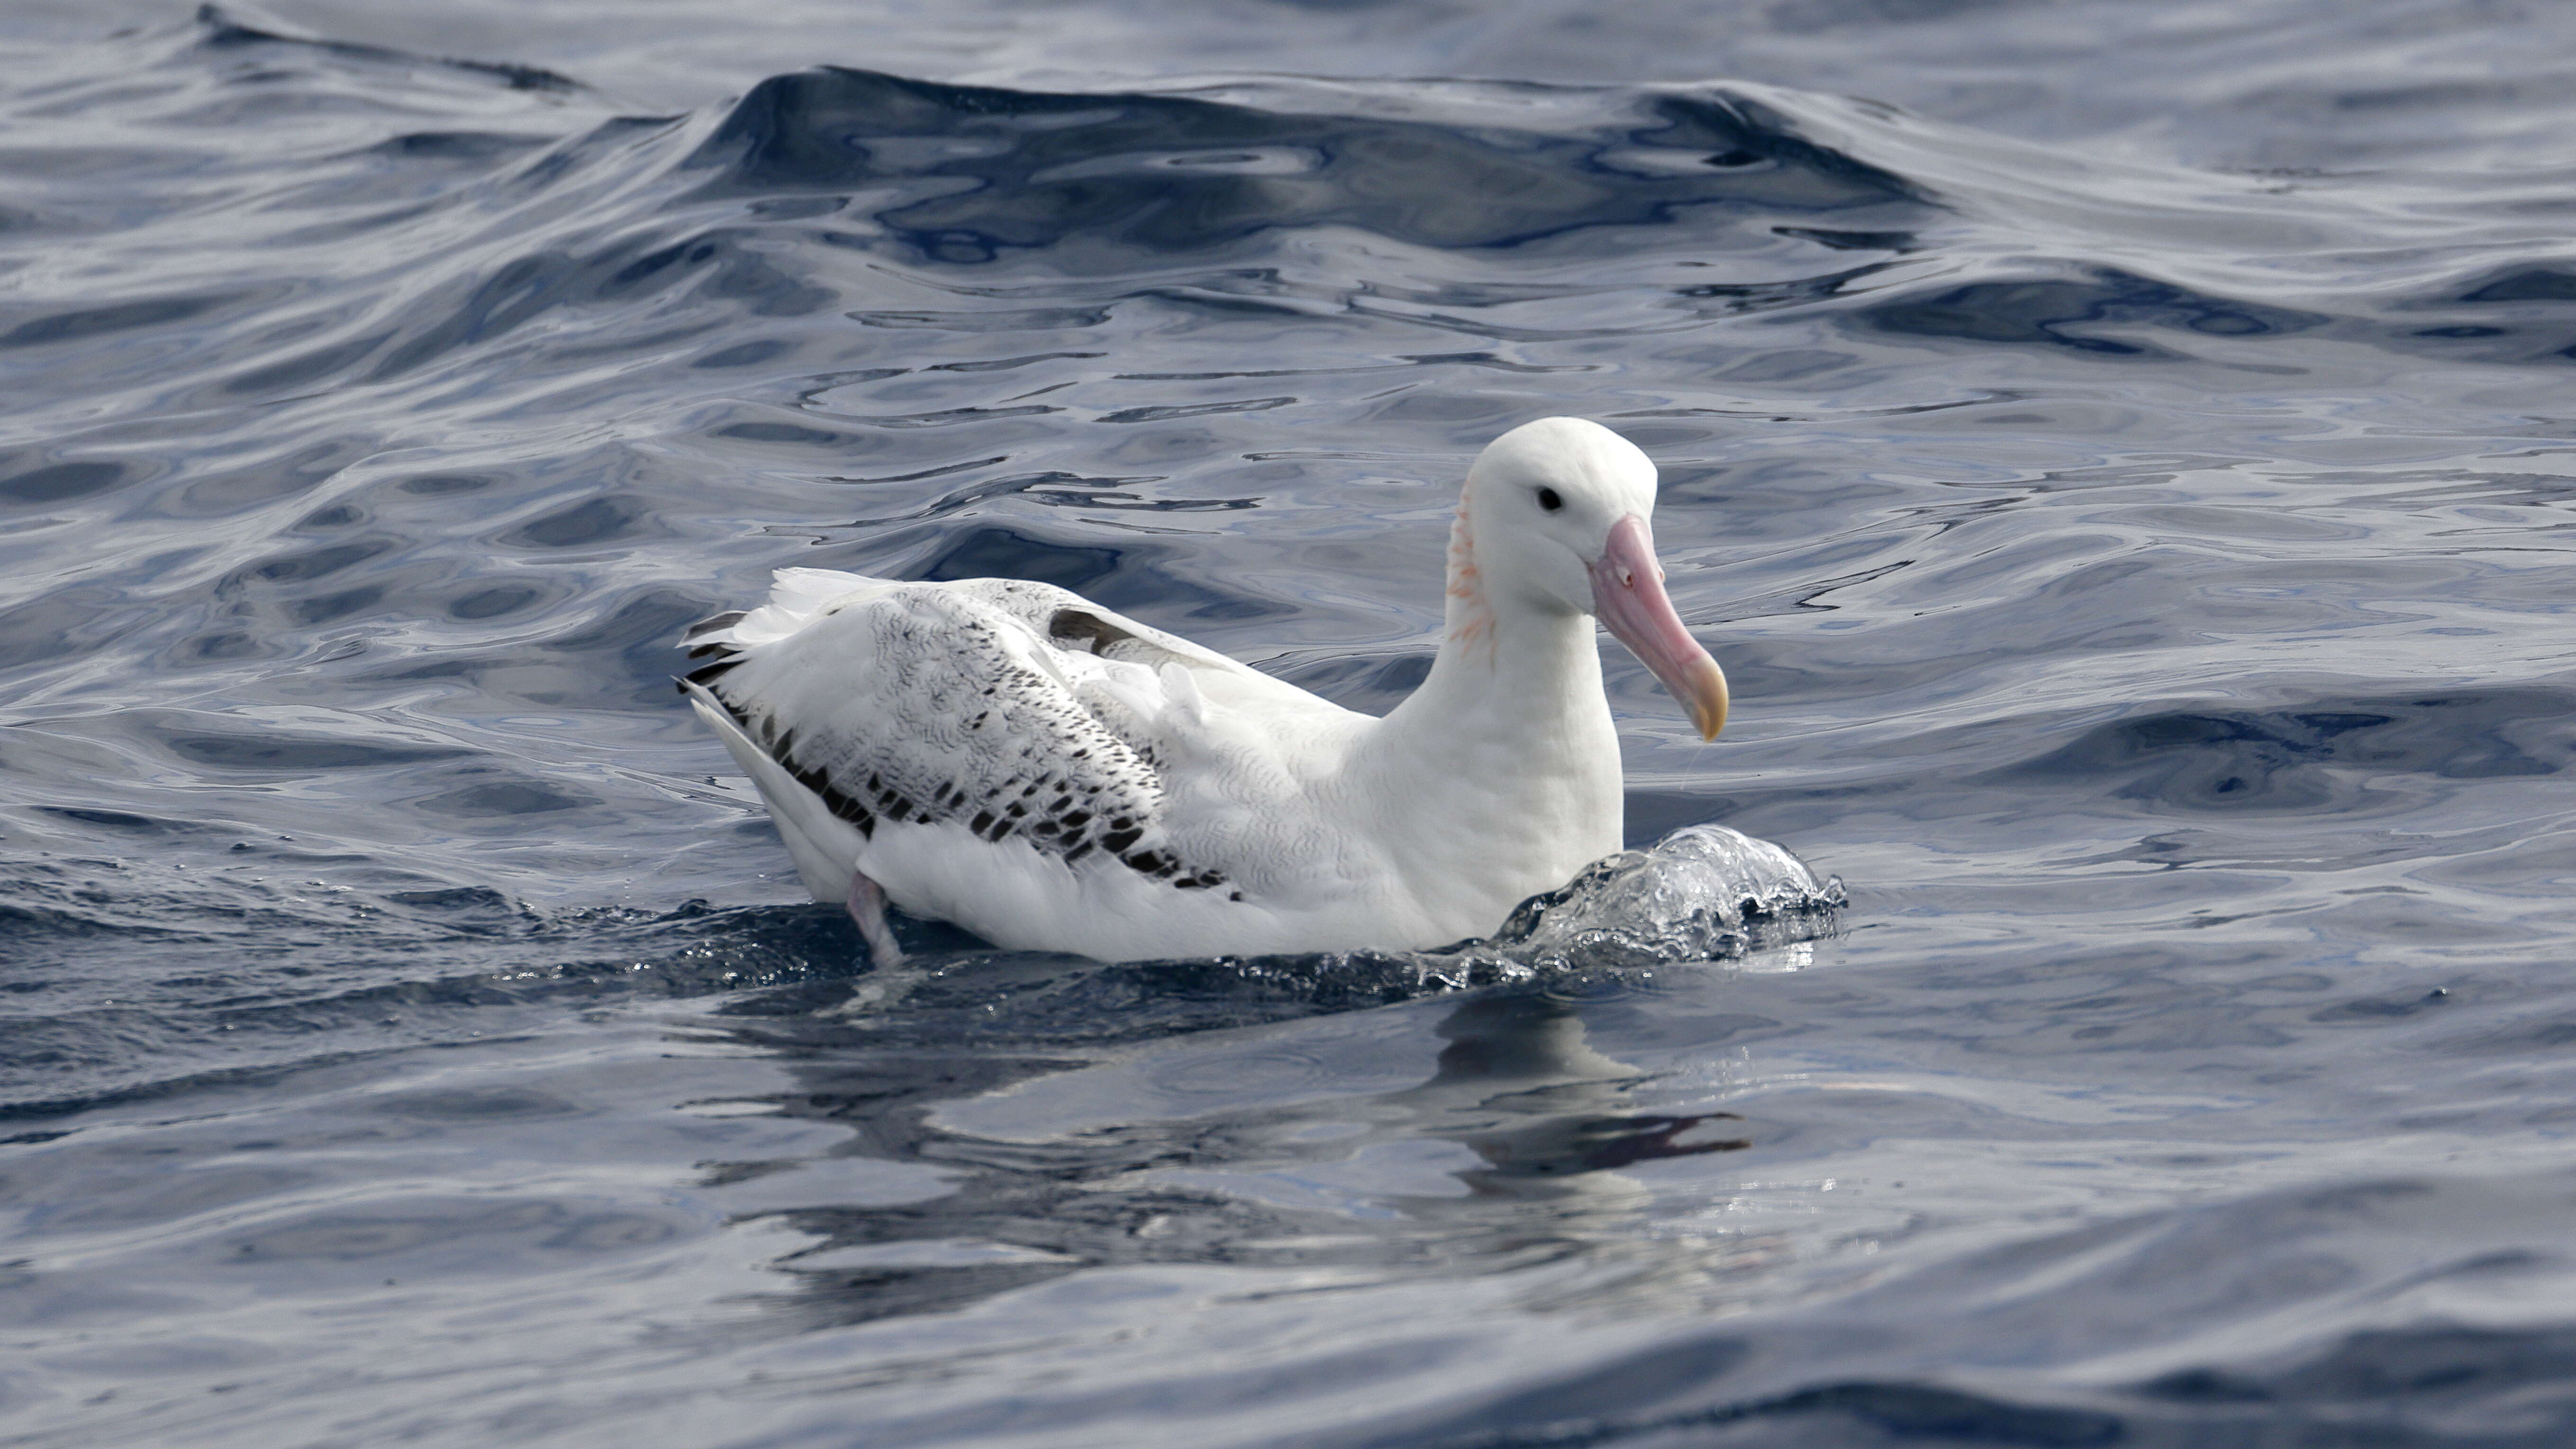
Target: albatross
{"points": [[1054, 776]]}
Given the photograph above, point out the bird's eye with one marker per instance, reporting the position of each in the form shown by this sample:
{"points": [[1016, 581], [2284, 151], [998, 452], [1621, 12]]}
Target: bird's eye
{"points": [[1548, 500]]}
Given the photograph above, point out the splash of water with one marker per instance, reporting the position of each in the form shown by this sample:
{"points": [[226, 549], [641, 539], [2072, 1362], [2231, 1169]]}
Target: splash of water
{"points": [[1702, 893]]}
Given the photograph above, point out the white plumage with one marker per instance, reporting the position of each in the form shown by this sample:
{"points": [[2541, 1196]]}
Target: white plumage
{"points": [[1051, 775]]}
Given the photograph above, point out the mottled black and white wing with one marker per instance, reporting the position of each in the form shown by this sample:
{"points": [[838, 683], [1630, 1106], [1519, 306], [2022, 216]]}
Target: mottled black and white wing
{"points": [[1015, 710]]}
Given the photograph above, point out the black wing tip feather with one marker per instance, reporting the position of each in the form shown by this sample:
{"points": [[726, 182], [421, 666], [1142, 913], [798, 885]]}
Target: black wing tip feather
{"points": [[1085, 630], [727, 653], [713, 623], [707, 674]]}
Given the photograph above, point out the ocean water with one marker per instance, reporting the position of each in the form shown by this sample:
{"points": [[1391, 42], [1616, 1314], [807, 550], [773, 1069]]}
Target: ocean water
{"points": [[2125, 457]]}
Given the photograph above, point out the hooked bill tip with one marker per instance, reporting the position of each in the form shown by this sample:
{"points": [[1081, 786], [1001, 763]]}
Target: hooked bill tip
{"points": [[1706, 693]]}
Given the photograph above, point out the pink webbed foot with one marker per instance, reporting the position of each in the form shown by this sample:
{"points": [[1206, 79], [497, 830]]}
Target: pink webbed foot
{"points": [[867, 904]]}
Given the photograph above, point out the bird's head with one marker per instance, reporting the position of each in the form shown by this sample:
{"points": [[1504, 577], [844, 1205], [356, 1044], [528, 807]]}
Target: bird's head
{"points": [[1560, 509]]}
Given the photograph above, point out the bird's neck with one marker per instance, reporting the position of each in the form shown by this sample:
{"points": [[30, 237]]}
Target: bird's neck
{"points": [[1499, 777], [1516, 687]]}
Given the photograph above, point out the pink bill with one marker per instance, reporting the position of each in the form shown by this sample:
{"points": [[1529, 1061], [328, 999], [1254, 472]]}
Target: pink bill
{"points": [[1628, 597]]}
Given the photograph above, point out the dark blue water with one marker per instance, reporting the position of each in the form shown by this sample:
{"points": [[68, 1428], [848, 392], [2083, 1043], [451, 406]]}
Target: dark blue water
{"points": [[2127, 466]]}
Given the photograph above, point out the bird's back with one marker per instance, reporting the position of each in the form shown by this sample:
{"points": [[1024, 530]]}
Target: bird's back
{"points": [[1043, 771]]}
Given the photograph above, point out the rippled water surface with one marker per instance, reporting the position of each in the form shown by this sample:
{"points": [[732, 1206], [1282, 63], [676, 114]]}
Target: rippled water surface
{"points": [[2126, 463]]}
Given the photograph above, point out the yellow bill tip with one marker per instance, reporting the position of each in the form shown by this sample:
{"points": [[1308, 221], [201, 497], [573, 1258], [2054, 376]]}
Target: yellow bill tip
{"points": [[1705, 692]]}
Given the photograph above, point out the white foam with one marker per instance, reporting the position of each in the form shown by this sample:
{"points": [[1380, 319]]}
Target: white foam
{"points": [[1701, 893]]}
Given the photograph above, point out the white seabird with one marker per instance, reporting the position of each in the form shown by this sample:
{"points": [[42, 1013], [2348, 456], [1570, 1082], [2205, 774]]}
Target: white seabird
{"points": [[1054, 776]]}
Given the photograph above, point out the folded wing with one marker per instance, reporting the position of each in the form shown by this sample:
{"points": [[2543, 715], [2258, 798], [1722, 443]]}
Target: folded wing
{"points": [[1018, 710]]}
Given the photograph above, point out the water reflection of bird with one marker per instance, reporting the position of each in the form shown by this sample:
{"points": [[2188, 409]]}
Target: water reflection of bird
{"points": [[1521, 1086], [1518, 1083], [1060, 1170], [1054, 776]]}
